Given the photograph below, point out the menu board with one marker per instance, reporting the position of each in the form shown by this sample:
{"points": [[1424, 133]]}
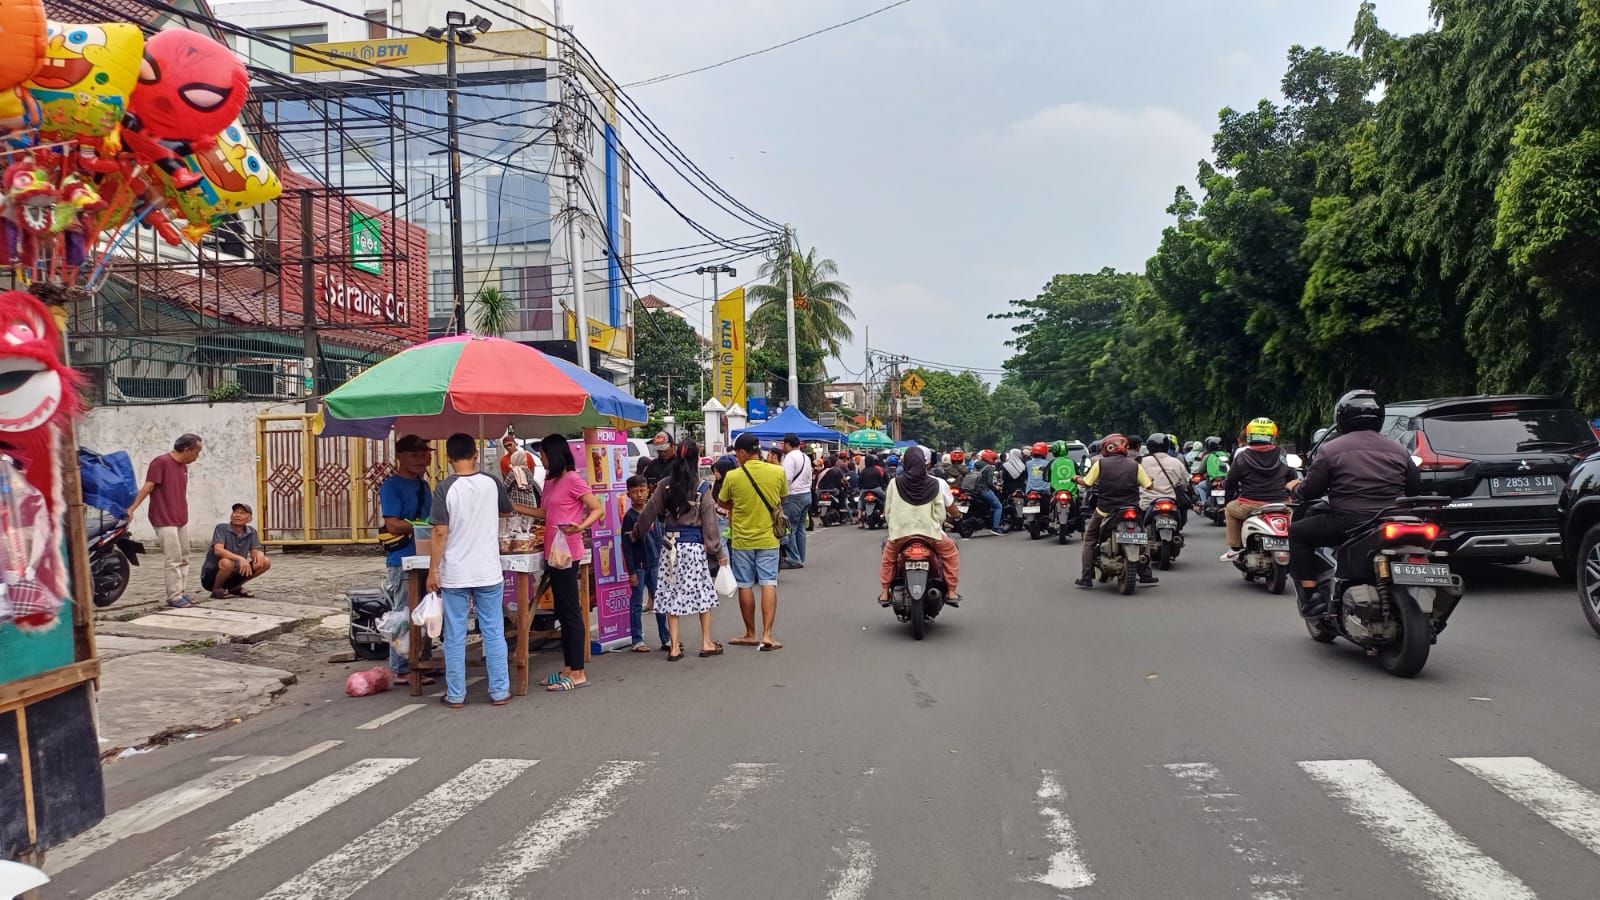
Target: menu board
{"points": [[605, 461]]}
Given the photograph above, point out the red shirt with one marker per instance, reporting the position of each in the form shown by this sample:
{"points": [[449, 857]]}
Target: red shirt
{"points": [[169, 502]]}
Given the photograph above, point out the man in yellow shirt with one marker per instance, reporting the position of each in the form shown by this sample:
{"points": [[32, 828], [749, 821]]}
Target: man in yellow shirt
{"points": [[1117, 480], [753, 492]]}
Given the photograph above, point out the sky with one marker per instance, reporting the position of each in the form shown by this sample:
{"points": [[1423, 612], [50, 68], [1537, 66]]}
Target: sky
{"points": [[949, 156]]}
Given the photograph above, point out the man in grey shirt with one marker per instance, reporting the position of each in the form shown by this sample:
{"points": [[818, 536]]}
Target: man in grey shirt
{"points": [[234, 557]]}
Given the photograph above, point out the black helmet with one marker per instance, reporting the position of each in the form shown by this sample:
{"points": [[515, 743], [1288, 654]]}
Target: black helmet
{"points": [[1158, 443], [1359, 410], [1094, 448], [1213, 443]]}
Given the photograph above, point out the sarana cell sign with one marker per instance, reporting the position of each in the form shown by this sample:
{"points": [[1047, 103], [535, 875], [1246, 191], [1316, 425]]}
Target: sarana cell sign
{"points": [[340, 294]]}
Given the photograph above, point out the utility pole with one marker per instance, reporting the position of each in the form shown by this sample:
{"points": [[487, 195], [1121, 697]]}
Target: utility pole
{"points": [[308, 302], [458, 30], [788, 283], [894, 404], [569, 131]]}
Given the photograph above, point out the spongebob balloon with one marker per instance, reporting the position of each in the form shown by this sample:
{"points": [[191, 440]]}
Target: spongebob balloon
{"points": [[235, 177], [88, 73]]}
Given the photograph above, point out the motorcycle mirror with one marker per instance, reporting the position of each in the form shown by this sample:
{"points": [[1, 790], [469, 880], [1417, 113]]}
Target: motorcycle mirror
{"points": [[1317, 438], [1293, 460]]}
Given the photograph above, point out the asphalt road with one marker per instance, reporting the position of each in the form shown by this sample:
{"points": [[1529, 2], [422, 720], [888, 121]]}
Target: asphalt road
{"points": [[1187, 742]]}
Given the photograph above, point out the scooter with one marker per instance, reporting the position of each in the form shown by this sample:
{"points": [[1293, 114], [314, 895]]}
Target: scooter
{"points": [[112, 553], [831, 510], [975, 515], [1216, 501], [1390, 592], [1122, 552], [919, 591], [872, 508], [1166, 541], [1065, 516], [1266, 547], [1033, 515]]}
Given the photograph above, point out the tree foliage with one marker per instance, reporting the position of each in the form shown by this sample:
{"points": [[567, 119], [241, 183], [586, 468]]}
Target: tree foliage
{"points": [[668, 364], [1444, 238], [822, 324]]}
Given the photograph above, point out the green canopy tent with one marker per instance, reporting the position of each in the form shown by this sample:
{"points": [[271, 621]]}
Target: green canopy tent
{"points": [[869, 439]]}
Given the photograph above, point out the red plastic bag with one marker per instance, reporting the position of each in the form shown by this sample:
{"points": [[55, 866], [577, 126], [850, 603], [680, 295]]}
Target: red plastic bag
{"points": [[372, 681]]}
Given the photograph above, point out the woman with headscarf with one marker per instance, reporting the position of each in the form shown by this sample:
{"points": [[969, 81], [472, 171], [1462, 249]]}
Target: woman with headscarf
{"points": [[523, 491], [917, 505]]}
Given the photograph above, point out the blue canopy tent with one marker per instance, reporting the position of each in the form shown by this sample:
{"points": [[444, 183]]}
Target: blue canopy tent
{"points": [[795, 421]]}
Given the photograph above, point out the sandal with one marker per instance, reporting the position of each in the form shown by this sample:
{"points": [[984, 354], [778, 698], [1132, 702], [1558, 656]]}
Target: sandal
{"points": [[640, 647], [566, 684], [716, 652], [674, 657], [741, 642], [241, 592], [452, 704], [406, 679], [770, 645]]}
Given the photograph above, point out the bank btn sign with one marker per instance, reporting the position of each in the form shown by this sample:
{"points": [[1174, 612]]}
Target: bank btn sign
{"points": [[366, 244]]}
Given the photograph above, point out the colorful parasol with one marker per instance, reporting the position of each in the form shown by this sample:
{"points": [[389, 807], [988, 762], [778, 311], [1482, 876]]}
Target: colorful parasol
{"points": [[869, 439], [477, 385]]}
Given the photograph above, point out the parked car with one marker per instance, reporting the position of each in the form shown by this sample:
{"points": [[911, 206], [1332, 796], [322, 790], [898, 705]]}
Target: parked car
{"points": [[1504, 461], [1580, 534]]}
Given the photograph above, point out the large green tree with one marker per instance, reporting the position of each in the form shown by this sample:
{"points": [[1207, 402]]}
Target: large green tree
{"points": [[822, 323], [955, 411], [668, 364]]}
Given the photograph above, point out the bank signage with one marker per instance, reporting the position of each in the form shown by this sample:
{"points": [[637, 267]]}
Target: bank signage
{"points": [[366, 243]]}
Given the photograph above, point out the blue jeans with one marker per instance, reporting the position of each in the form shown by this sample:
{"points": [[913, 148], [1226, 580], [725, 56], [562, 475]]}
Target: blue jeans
{"points": [[647, 579], [994, 508], [754, 567], [795, 506], [492, 623], [394, 584]]}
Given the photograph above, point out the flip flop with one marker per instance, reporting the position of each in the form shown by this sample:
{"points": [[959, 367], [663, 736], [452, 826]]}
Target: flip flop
{"points": [[566, 684], [770, 645], [451, 703], [425, 680], [554, 678], [640, 647], [245, 594], [716, 652], [741, 642]]}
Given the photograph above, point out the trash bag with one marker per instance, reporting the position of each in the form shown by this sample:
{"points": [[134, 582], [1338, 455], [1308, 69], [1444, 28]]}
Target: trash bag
{"points": [[108, 481], [373, 681]]}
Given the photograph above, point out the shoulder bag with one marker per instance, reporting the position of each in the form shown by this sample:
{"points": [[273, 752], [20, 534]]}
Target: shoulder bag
{"points": [[780, 522]]}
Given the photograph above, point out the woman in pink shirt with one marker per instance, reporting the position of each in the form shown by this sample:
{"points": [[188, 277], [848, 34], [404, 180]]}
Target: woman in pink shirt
{"points": [[569, 508]]}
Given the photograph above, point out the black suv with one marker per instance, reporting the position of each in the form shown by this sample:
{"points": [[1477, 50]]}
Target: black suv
{"points": [[1504, 461], [1580, 532]]}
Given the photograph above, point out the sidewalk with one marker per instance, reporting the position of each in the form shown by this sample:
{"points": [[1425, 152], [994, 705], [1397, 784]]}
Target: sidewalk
{"points": [[168, 673]]}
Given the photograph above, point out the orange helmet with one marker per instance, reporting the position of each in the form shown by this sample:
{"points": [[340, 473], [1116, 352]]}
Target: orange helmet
{"points": [[1040, 448], [958, 456], [1114, 444], [988, 456]]}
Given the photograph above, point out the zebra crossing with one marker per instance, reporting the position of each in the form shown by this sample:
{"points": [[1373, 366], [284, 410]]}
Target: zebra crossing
{"points": [[1425, 848]]}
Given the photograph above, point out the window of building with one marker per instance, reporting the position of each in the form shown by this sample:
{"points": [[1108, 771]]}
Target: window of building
{"points": [[377, 24], [268, 50], [535, 300]]}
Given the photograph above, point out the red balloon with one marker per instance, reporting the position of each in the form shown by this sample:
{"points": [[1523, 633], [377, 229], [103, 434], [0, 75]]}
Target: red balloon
{"points": [[190, 87]]}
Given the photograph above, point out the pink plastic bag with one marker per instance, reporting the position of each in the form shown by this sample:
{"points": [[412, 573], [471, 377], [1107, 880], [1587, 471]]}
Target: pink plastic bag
{"points": [[372, 681]]}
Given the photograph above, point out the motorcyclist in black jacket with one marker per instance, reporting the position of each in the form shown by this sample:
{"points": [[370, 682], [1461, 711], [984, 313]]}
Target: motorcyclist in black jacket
{"points": [[1361, 473]]}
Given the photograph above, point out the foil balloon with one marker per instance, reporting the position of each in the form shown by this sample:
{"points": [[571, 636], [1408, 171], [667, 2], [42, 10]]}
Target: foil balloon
{"points": [[88, 72], [235, 177], [22, 27], [190, 88]]}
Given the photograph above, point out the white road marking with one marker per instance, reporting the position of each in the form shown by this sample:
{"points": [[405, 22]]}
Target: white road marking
{"points": [[354, 866], [388, 717], [541, 843], [171, 876], [1067, 869], [154, 812], [742, 780], [856, 876], [1446, 863], [1557, 799], [1270, 877]]}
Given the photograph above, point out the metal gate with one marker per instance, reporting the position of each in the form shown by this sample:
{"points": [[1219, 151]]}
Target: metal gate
{"points": [[317, 490]]}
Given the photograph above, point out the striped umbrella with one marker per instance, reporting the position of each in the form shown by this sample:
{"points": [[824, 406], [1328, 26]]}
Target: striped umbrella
{"points": [[477, 385]]}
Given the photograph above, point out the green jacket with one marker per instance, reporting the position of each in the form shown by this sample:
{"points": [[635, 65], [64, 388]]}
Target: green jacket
{"points": [[1062, 471]]}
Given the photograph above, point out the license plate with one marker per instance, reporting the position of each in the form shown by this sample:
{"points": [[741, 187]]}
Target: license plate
{"points": [[1274, 543], [1219, 493], [1411, 573], [912, 566], [1522, 485], [1132, 537], [1030, 510], [962, 507]]}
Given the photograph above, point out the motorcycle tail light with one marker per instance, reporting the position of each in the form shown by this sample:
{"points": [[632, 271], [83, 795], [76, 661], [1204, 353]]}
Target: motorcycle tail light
{"points": [[958, 493], [1062, 496], [1033, 495], [1165, 506], [917, 551], [1427, 532], [1130, 514]]}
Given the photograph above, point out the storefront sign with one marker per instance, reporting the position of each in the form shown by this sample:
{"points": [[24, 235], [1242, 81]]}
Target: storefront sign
{"points": [[348, 295], [399, 50], [728, 345], [366, 243]]}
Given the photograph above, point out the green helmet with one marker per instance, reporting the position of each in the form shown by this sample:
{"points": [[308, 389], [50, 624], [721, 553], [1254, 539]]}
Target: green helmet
{"points": [[1058, 449]]}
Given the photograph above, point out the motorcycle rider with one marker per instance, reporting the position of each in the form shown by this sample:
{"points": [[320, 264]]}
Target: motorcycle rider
{"points": [[981, 481], [1063, 471], [957, 467], [1015, 474], [1169, 479], [1258, 477], [872, 478], [1118, 478], [1038, 469], [1361, 473], [835, 481], [1214, 464]]}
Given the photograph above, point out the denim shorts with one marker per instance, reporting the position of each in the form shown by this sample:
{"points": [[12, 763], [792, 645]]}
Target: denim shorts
{"points": [[753, 567]]}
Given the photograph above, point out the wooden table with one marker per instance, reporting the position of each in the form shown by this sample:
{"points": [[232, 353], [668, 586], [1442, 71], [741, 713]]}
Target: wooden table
{"points": [[524, 569]]}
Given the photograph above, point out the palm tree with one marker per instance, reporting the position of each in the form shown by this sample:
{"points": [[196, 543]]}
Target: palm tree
{"points": [[822, 302], [493, 312]]}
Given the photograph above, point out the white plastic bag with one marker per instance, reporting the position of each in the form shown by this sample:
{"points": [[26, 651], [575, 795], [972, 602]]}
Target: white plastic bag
{"points": [[560, 555], [429, 615], [726, 587], [394, 624]]}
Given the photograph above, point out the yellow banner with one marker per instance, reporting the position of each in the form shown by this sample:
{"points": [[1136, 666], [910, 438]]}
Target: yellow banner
{"points": [[409, 52], [728, 375]]}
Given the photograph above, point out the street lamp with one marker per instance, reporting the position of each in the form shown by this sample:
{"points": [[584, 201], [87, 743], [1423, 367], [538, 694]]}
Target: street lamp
{"points": [[713, 271], [458, 30]]}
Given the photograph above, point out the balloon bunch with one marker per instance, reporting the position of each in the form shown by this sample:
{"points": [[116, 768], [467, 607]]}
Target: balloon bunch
{"points": [[102, 131]]}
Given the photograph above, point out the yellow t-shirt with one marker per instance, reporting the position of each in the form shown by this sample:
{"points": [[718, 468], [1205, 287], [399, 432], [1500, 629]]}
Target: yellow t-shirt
{"points": [[750, 523]]}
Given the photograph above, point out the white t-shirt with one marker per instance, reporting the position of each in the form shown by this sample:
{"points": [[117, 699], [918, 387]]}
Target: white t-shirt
{"points": [[797, 468], [470, 506]]}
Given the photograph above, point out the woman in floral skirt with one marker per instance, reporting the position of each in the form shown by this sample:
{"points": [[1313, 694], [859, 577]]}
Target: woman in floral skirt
{"points": [[692, 540]]}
